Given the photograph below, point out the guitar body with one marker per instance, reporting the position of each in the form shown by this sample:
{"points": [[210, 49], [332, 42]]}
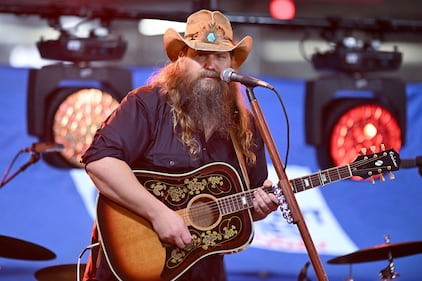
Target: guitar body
{"points": [[214, 206], [134, 251], [132, 248]]}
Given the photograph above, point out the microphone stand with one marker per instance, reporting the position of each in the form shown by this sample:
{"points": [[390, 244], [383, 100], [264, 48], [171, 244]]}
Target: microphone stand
{"points": [[35, 156], [285, 186]]}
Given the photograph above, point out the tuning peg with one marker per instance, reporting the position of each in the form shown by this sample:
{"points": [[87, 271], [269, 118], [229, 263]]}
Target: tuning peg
{"points": [[382, 177], [382, 147], [373, 149], [372, 180], [391, 176], [363, 150]]}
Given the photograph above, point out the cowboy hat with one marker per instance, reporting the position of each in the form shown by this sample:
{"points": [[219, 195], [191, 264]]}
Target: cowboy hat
{"points": [[207, 31]]}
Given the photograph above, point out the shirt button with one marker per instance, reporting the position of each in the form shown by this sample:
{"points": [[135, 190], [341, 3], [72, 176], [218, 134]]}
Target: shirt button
{"points": [[171, 163]]}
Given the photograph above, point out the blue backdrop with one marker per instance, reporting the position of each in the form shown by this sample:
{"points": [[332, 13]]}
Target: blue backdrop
{"points": [[51, 207]]}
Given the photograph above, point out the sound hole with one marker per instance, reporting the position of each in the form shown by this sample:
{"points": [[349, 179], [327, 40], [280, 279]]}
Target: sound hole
{"points": [[203, 212]]}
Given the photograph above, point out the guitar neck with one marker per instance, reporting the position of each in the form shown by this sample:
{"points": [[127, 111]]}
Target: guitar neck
{"points": [[243, 200], [321, 178]]}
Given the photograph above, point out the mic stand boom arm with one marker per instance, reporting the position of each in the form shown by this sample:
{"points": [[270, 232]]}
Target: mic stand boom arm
{"points": [[33, 159], [284, 184]]}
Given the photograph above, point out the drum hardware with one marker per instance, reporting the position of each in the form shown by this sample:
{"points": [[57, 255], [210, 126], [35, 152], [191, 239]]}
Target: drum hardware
{"points": [[389, 272], [63, 272], [14, 248], [387, 251]]}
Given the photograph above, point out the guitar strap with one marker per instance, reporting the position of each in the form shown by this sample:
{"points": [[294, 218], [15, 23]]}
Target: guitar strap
{"points": [[240, 158]]}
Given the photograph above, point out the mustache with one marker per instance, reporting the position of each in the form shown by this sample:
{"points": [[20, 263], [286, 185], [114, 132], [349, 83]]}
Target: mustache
{"points": [[209, 74]]}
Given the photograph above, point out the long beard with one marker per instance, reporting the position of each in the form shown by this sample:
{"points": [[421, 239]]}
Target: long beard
{"points": [[209, 101]]}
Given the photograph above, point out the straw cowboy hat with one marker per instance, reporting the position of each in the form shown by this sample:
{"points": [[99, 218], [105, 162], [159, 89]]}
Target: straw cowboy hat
{"points": [[207, 31]]}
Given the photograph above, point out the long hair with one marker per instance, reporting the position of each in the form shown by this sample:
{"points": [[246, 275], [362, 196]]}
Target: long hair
{"points": [[171, 79]]}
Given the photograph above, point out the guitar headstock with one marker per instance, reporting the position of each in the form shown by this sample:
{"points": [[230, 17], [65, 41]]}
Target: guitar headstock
{"points": [[376, 164]]}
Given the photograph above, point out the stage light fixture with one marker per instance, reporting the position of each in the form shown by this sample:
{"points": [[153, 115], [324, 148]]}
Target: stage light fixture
{"points": [[71, 48], [97, 44], [353, 54], [67, 103], [357, 60], [344, 115]]}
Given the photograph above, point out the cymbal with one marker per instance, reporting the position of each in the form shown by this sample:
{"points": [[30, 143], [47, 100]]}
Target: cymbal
{"points": [[19, 249], [63, 272], [380, 252]]}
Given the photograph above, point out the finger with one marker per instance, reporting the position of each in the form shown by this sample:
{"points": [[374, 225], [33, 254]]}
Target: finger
{"points": [[180, 243], [187, 237], [262, 196], [260, 204], [274, 200], [268, 183], [266, 202], [268, 198]]}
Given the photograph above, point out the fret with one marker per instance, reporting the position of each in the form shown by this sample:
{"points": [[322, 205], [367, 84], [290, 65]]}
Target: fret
{"points": [[338, 173], [307, 182], [244, 201], [293, 183], [324, 177], [236, 205], [235, 202], [224, 205], [239, 204], [345, 171], [301, 184], [316, 180], [321, 178], [230, 204], [247, 200], [333, 174]]}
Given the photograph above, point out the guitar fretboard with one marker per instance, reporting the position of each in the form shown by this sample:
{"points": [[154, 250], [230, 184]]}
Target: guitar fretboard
{"points": [[321, 178], [243, 200], [236, 202]]}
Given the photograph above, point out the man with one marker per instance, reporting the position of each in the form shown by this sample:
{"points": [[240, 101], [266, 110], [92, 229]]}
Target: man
{"points": [[184, 118]]}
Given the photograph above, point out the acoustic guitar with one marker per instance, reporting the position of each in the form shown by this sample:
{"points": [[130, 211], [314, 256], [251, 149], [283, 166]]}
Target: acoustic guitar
{"points": [[214, 205]]}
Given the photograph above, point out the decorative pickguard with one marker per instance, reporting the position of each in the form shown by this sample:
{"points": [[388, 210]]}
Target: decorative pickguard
{"points": [[177, 194], [204, 241]]}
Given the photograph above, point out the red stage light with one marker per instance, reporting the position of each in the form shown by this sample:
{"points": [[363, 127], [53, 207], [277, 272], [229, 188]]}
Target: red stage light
{"points": [[361, 127], [343, 115], [282, 9]]}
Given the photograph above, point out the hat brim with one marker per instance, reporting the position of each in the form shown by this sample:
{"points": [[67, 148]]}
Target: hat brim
{"points": [[174, 43]]}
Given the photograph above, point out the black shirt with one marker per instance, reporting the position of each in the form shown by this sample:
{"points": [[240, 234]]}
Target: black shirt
{"points": [[140, 132]]}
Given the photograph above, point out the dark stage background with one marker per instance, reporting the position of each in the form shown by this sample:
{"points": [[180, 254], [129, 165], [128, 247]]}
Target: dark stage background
{"points": [[54, 208]]}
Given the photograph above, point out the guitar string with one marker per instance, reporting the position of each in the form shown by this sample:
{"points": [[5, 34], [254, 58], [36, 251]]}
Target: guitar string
{"points": [[233, 203], [228, 204], [316, 177]]}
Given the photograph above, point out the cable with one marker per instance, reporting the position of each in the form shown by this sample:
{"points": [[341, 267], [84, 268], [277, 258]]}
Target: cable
{"points": [[78, 264], [287, 127]]}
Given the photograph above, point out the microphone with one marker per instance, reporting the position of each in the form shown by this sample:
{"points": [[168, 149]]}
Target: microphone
{"points": [[411, 162], [42, 147], [229, 75]]}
